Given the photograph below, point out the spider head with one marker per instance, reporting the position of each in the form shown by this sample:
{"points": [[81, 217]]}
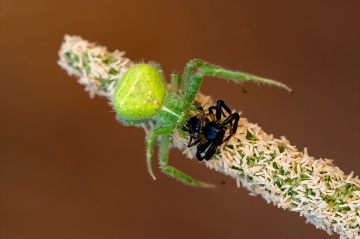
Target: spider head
{"points": [[139, 94]]}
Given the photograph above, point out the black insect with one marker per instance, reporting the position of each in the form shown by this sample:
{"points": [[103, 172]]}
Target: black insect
{"points": [[208, 135]]}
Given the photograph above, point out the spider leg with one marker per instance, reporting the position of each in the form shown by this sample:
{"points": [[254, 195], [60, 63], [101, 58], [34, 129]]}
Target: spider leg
{"points": [[164, 151], [203, 115], [201, 138], [150, 141], [211, 151], [201, 148], [219, 106], [175, 79], [234, 117], [211, 113], [189, 71], [191, 81]]}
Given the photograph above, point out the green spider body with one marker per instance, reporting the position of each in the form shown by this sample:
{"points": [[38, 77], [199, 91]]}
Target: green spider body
{"points": [[141, 96], [171, 111]]}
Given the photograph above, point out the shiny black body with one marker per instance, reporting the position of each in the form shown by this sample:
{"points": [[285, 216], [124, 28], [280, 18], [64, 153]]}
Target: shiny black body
{"points": [[208, 135]]}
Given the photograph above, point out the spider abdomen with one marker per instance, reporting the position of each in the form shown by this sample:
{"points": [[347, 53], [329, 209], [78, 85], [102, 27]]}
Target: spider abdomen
{"points": [[139, 93]]}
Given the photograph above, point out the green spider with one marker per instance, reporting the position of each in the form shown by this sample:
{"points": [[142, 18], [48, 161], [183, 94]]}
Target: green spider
{"points": [[141, 97]]}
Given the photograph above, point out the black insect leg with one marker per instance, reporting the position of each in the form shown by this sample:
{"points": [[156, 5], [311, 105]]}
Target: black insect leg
{"points": [[211, 113], [203, 115], [211, 151], [201, 138], [219, 105], [201, 148], [234, 117]]}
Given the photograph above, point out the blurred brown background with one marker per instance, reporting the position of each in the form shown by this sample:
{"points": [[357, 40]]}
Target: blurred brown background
{"points": [[69, 170]]}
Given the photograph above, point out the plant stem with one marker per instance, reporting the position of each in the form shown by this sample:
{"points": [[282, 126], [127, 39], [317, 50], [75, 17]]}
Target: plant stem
{"points": [[266, 166]]}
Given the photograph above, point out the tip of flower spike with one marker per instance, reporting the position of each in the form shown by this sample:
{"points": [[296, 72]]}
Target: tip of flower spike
{"points": [[95, 67]]}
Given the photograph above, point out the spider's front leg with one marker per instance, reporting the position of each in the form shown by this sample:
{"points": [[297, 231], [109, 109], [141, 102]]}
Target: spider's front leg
{"points": [[234, 117], [192, 81], [219, 106]]}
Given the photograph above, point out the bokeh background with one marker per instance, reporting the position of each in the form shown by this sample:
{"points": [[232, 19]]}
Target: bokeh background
{"points": [[69, 170]]}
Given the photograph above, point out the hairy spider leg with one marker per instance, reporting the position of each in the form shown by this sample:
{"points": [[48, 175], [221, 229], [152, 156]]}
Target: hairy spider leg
{"points": [[164, 152], [150, 141], [192, 81], [175, 79]]}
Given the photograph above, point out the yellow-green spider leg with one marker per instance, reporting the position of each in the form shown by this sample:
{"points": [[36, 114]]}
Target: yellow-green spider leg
{"points": [[164, 152], [192, 81], [175, 79], [150, 141]]}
